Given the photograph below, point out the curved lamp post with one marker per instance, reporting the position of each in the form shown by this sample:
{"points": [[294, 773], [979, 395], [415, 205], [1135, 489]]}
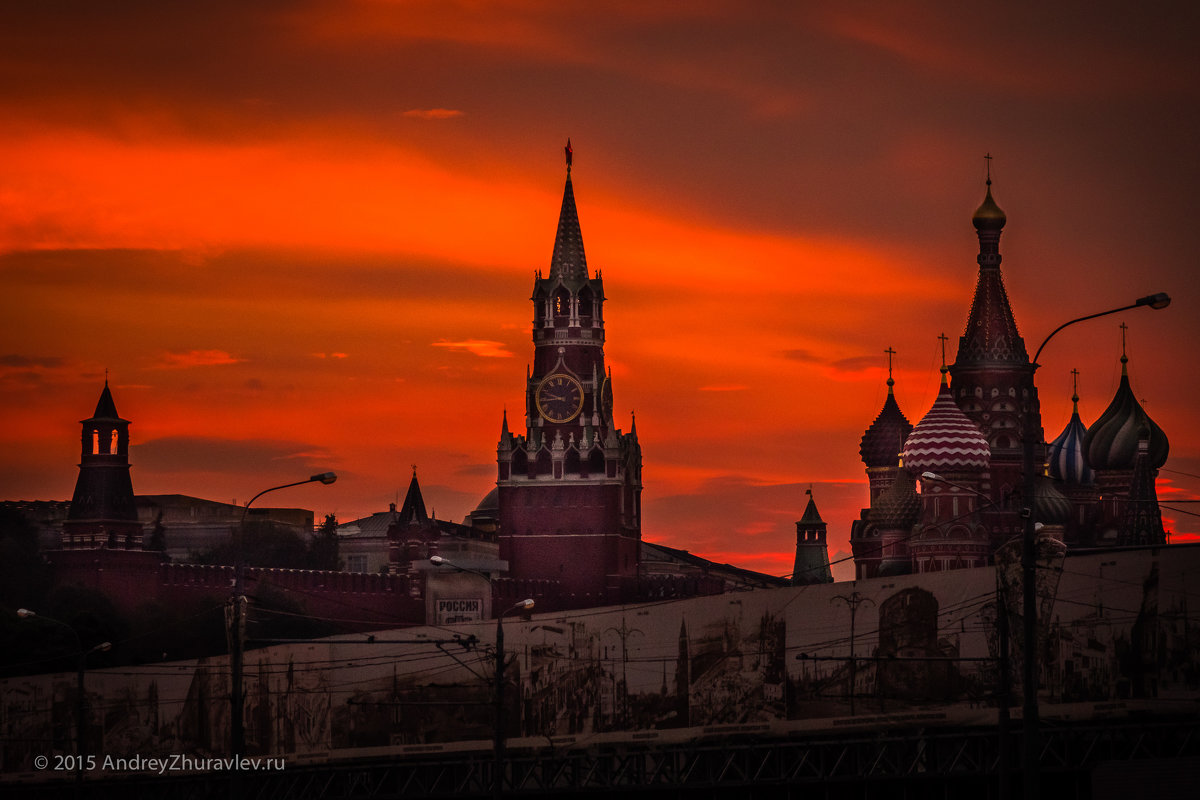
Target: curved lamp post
{"points": [[1029, 672], [237, 729], [80, 697], [498, 742]]}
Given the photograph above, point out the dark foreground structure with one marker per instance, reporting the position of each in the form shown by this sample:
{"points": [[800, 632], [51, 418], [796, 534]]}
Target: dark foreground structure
{"points": [[888, 687]]}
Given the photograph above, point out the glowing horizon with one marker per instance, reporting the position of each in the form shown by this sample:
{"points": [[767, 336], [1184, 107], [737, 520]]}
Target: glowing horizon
{"points": [[317, 251]]}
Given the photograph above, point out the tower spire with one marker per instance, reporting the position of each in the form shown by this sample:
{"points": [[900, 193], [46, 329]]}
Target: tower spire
{"points": [[568, 262], [1124, 357], [944, 369], [890, 383]]}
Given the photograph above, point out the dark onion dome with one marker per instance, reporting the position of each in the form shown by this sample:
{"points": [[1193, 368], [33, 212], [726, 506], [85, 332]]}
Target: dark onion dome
{"points": [[1112, 441], [989, 216], [946, 440], [897, 506], [1065, 453], [1051, 507], [882, 442]]}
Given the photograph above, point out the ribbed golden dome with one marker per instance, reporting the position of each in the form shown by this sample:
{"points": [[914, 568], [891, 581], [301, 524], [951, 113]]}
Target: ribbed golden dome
{"points": [[989, 216]]}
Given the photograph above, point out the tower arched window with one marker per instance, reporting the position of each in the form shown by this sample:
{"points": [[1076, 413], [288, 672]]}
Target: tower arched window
{"points": [[112, 445], [586, 307], [539, 308], [561, 305], [95, 442]]}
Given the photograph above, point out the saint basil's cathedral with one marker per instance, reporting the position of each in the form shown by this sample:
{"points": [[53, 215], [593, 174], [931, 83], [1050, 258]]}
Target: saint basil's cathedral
{"points": [[1097, 487]]}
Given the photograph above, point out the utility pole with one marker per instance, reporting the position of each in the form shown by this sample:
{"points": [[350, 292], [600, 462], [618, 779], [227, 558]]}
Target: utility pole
{"points": [[624, 632], [852, 602]]}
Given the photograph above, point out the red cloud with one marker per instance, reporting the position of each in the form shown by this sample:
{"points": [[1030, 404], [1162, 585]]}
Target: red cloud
{"points": [[483, 348], [197, 358], [433, 113]]}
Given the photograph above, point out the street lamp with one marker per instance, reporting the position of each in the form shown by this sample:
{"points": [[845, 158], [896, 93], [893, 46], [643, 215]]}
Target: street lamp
{"points": [[1030, 724], [498, 741], [80, 697], [237, 730]]}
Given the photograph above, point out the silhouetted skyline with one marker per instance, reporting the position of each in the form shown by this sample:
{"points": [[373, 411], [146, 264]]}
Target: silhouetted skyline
{"points": [[301, 237]]}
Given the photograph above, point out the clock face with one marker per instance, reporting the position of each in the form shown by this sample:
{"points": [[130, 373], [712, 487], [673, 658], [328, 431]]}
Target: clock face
{"points": [[559, 398]]}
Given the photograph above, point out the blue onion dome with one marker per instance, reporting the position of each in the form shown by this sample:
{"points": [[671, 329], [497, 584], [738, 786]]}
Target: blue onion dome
{"points": [[1065, 453], [882, 441], [898, 506], [1051, 507], [946, 440], [1112, 441], [989, 216]]}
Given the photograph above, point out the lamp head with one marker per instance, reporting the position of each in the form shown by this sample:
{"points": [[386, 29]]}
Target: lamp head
{"points": [[526, 604], [1155, 301], [931, 476], [437, 561], [325, 478], [25, 612]]}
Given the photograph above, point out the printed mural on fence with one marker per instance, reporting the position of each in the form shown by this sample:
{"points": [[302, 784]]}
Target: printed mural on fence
{"points": [[1118, 634]]}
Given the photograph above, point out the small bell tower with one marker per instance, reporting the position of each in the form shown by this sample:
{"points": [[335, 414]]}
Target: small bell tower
{"points": [[103, 513]]}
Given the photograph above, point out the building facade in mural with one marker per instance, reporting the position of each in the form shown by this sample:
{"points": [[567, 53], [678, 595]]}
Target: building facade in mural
{"points": [[1118, 641]]}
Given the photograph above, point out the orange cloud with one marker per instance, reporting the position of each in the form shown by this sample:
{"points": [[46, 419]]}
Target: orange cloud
{"points": [[433, 113], [196, 358], [484, 348]]}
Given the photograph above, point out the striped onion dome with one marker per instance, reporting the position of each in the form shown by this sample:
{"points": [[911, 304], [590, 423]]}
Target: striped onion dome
{"points": [[1065, 454], [1051, 507], [897, 506], [1112, 441], [882, 441], [945, 440]]}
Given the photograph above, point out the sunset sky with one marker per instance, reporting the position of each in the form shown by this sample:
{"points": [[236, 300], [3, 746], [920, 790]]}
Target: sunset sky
{"points": [[302, 235]]}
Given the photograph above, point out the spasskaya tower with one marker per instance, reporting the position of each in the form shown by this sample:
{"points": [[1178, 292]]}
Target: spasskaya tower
{"points": [[570, 487]]}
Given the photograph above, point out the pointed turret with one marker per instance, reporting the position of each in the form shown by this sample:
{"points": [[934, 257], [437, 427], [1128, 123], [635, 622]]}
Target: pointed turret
{"points": [[105, 407], [992, 376], [991, 335], [568, 262], [103, 513], [413, 535], [812, 552], [413, 510], [1143, 517]]}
